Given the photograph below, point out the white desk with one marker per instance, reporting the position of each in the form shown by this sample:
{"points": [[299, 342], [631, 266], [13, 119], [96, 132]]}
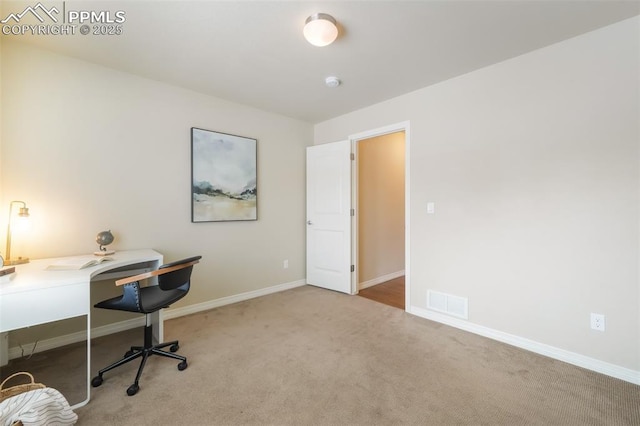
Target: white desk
{"points": [[36, 295]]}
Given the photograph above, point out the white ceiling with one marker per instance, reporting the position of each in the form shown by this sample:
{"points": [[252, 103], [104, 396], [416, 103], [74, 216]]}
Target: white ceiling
{"points": [[254, 53]]}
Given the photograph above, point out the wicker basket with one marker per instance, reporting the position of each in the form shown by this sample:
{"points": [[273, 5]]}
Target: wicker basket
{"points": [[18, 389]]}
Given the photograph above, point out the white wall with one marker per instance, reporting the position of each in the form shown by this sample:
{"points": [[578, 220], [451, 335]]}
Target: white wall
{"points": [[90, 148], [533, 164]]}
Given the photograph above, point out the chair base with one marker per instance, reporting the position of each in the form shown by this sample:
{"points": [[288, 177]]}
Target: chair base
{"points": [[145, 352]]}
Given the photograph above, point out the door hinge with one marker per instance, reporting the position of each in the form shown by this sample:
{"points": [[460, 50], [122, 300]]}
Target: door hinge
{"points": [[353, 268], [353, 212], [353, 156]]}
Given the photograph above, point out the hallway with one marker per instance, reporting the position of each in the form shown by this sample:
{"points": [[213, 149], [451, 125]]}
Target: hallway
{"points": [[390, 292]]}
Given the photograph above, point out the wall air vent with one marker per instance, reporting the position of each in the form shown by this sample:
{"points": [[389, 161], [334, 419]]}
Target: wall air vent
{"points": [[448, 304]]}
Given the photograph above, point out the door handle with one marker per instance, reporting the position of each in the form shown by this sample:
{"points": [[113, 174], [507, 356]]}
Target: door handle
{"points": [[309, 222]]}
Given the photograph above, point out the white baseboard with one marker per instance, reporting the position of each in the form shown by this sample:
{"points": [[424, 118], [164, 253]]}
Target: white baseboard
{"points": [[56, 342], [380, 280], [579, 360], [67, 339], [211, 304]]}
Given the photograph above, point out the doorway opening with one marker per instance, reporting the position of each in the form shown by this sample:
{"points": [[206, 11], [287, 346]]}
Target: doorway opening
{"points": [[389, 292], [380, 199]]}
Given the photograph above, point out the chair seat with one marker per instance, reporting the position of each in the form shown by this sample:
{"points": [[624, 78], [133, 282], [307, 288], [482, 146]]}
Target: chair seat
{"points": [[151, 299]]}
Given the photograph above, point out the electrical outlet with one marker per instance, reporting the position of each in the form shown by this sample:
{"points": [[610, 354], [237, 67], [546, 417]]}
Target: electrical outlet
{"points": [[597, 322], [285, 264]]}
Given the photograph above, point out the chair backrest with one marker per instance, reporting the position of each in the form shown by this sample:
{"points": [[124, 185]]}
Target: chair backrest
{"points": [[179, 277]]}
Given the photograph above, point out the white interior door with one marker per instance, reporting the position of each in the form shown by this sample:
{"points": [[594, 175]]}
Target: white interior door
{"points": [[329, 216]]}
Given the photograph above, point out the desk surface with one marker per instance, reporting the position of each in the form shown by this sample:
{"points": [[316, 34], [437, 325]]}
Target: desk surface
{"points": [[35, 295], [34, 275]]}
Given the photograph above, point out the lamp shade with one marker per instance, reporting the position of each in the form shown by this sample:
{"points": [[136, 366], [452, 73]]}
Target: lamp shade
{"points": [[320, 29]]}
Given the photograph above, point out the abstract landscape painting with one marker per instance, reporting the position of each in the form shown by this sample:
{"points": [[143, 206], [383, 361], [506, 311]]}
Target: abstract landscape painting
{"points": [[223, 177]]}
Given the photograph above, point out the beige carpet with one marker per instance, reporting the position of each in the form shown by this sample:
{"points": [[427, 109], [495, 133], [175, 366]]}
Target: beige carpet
{"points": [[313, 357]]}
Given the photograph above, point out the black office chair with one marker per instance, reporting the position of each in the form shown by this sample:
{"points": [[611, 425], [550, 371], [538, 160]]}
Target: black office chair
{"points": [[174, 280]]}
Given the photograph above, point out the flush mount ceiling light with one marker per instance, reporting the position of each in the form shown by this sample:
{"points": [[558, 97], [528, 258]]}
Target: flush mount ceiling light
{"points": [[320, 29]]}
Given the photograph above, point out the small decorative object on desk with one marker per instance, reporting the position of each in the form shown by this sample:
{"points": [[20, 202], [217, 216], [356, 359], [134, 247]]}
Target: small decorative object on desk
{"points": [[103, 239], [6, 271]]}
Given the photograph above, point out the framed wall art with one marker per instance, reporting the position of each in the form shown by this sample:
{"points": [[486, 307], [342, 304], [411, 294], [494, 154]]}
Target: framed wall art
{"points": [[223, 177]]}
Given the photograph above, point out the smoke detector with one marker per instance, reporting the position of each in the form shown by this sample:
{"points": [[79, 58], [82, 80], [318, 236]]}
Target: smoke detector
{"points": [[332, 81]]}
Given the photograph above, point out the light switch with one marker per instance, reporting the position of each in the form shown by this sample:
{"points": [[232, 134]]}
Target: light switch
{"points": [[431, 207]]}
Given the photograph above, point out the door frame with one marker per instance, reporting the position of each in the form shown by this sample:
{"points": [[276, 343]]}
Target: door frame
{"points": [[403, 126]]}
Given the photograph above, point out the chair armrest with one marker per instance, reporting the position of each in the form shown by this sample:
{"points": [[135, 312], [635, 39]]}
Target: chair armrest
{"points": [[155, 273]]}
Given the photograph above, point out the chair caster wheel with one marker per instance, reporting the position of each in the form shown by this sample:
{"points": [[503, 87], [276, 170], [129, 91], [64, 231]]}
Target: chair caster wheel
{"points": [[174, 348], [96, 381], [133, 389], [182, 365]]}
